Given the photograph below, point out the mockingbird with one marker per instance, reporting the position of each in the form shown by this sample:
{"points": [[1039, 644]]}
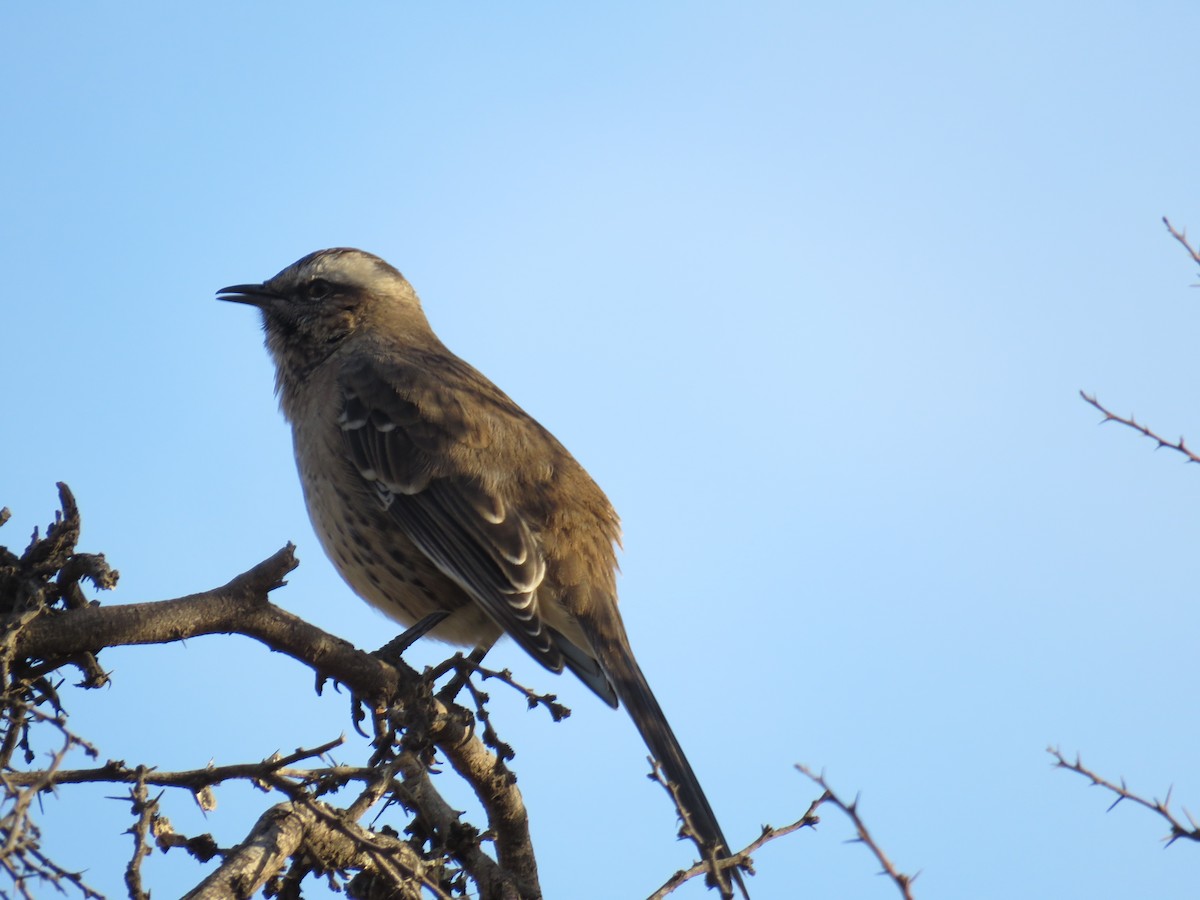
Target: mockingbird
{"points": [[434, 493]]}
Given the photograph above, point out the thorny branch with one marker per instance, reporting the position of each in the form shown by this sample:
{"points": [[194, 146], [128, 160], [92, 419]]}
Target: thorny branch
{"points": [[1189, 832], [1181, 236], [742, 858], [47, 624], [145, 812], [29, 700], [710, 863], [21, 856], [1179, 446], [465, 667], [902, 881], [198, 780]]}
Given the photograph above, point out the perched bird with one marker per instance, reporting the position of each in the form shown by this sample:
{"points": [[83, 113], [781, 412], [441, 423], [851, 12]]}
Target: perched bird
{"points": [[433, 492]]}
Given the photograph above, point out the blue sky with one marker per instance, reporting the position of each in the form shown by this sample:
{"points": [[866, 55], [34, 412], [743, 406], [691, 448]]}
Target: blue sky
{"points": [[810, 290]]}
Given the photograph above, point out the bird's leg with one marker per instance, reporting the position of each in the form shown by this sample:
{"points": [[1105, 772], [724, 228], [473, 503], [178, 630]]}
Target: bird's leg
{"points": [[394, 649], [468, 665]]}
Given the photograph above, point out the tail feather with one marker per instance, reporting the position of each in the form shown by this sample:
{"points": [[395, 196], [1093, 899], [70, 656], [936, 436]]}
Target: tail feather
{"points": [[631, 686], [586, 668]]}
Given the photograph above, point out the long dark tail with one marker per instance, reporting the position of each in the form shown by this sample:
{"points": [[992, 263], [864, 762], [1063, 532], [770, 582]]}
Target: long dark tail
{"points": [[616, 657]]}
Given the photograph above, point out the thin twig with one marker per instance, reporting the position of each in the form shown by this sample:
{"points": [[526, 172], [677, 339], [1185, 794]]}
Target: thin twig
{"points": [[710, 862], [1179, 446], [902, 881], [1162, 807], [743, 856], [145, 809], [557, 711], [20, 854], [1181, 236], [116, 772]]}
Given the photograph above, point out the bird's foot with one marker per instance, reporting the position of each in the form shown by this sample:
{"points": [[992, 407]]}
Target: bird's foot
{"points": [[394, 649]]}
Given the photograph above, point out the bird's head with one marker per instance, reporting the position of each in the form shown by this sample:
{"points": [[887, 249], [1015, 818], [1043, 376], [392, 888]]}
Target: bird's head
{"points": [[319, 302]]}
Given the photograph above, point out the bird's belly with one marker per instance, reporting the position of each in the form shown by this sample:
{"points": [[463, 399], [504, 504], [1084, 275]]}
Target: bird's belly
{"points": [[381, 564]]}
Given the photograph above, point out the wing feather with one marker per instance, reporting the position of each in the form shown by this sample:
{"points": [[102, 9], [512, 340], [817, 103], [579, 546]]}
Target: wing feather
{"points": [[407, 450]]}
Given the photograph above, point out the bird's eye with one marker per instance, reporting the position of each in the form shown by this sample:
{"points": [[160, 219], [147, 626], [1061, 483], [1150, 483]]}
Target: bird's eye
{"points": [[318, 289]]}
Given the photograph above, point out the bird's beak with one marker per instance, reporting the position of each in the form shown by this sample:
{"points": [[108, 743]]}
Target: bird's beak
{"points": [[252, 294]]}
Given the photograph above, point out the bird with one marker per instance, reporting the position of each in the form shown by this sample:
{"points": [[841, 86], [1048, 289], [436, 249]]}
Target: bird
{"points": [[441, 501]]}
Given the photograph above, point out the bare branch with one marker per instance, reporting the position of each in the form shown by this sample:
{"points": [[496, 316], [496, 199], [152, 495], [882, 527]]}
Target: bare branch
{"points": [[557, 711], [116, 772], [281, 832], [495, 786], [710, 863], [743, 857], [1181, 236], [1179, 446], [902, 881], [1189, 832], [146, 810], [239, 607], [35, 631], [20, 853]]}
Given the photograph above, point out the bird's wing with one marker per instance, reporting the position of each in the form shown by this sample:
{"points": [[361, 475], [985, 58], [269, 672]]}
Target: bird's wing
{"points": [[410, 445]]}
